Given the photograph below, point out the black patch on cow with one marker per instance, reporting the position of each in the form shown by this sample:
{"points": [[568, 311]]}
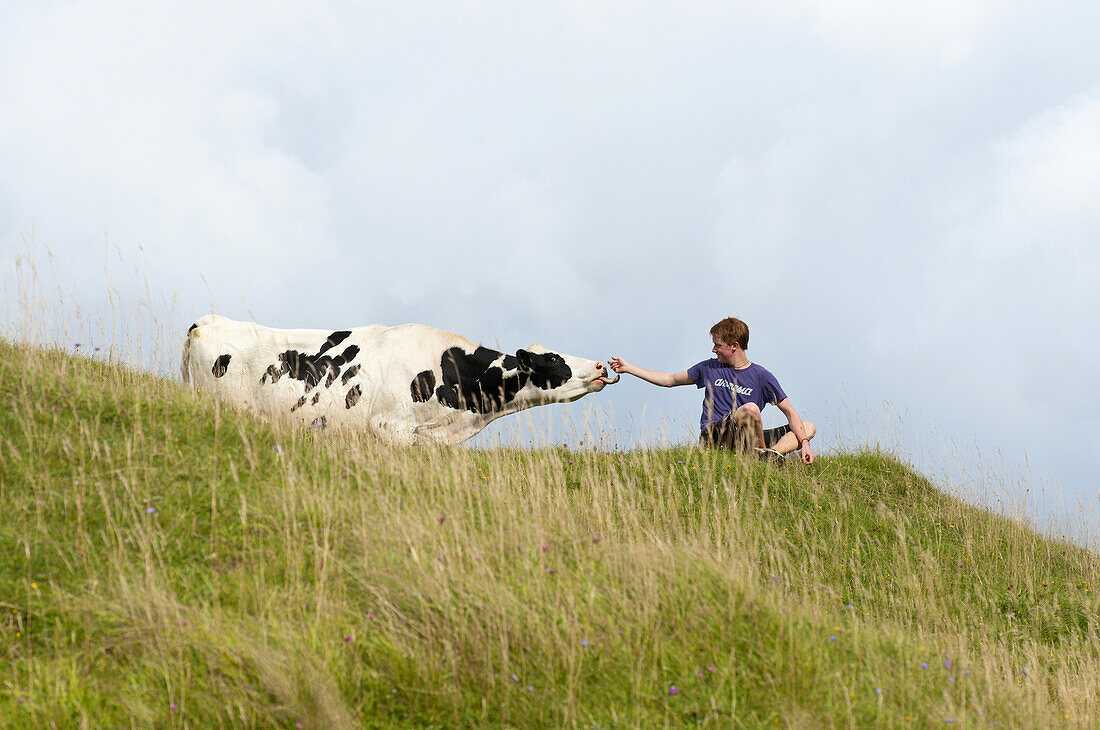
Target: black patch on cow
{"points": [[471, 382], [333, 340], [353, 396], [193, 326], [316, 397], [301, 402], [423, 385], [272, 372], [221, 365], [548, 370], [349, 373], [310, 368]]}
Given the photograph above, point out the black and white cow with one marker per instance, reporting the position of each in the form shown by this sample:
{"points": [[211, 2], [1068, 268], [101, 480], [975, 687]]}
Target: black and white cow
{"points": [[407, 384]]}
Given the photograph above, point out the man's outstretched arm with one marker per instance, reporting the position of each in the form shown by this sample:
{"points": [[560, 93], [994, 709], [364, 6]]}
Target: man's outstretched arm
{"points": [[665, 380]]}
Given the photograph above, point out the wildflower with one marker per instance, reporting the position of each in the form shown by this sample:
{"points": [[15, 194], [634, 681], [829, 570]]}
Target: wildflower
{"points": [[298, 726], [924, 665], [172, 706], [347, 639], [530, 688], [550, 571], [674, 690], [584, 643], [545, 548], [19, 700], [848, 606], [700, 674], [278, 449], [710, 667], [946, 663], [878, 690], [832, 638], [150, 510], [515, 678], [595, 538], [442, 519], [951, 680]]}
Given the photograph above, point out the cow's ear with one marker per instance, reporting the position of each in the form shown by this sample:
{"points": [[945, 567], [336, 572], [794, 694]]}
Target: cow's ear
{"points": [[524, 358]]}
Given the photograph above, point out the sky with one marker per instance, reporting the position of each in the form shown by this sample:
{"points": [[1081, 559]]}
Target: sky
{"points": [[901, 200]]}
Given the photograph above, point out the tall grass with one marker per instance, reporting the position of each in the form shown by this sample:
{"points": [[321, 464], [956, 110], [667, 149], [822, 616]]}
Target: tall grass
{"points": [[169, 562]]}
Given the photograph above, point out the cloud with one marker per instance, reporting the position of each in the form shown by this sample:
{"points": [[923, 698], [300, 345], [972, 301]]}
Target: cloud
{"points": [[1051, 177], [156, 131]]}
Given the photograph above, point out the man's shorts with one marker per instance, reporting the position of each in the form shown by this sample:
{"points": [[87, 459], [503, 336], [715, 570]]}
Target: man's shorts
{"points": [[723, 435]]}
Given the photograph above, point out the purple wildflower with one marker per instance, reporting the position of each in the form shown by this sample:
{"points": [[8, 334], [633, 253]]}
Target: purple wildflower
{"points": [[278, 449], [347, 638], [924, 665], [878, 690], [584, 643], [674, 690], [172, 706], [150, 510]]}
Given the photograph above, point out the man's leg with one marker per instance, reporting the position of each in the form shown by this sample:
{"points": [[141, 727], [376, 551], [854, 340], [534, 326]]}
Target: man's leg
{"points": [[789, 442], [750, 426]]}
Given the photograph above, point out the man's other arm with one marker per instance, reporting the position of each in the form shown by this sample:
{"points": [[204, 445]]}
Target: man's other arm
{"points": [[798, 429]]}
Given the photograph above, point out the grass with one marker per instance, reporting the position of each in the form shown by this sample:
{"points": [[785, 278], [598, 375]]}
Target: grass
{"points": [[168, 562]]}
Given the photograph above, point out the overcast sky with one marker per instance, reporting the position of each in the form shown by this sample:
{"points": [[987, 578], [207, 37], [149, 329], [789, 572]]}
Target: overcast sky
{"points": [[901, 199]]}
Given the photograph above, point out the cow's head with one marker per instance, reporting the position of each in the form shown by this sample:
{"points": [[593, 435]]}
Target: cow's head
{"points": [[561, 378], [491, 382]]}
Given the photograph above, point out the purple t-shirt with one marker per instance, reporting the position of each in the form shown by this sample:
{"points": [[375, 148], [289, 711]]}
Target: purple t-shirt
{"points": [[725, 385]]}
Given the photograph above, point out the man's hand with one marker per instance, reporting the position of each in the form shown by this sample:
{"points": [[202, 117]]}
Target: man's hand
{"points": [[618, 364], [807, 452]]}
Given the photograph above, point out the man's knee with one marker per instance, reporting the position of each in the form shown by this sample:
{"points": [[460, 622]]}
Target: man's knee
{"points": [[749, 409], [810, 428]]}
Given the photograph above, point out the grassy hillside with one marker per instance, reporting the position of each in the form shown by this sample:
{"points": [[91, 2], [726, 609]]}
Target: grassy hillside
{"points": [[166, 562]]}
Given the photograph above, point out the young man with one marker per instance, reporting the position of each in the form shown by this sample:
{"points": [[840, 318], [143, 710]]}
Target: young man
{"points": [[736, 392]]}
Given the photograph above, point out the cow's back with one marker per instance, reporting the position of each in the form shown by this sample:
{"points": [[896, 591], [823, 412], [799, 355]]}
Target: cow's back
{"points": [[359, 375]]}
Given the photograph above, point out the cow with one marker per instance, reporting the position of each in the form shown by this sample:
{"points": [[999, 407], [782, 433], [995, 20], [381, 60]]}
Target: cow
{"points": [[406, 384]]}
